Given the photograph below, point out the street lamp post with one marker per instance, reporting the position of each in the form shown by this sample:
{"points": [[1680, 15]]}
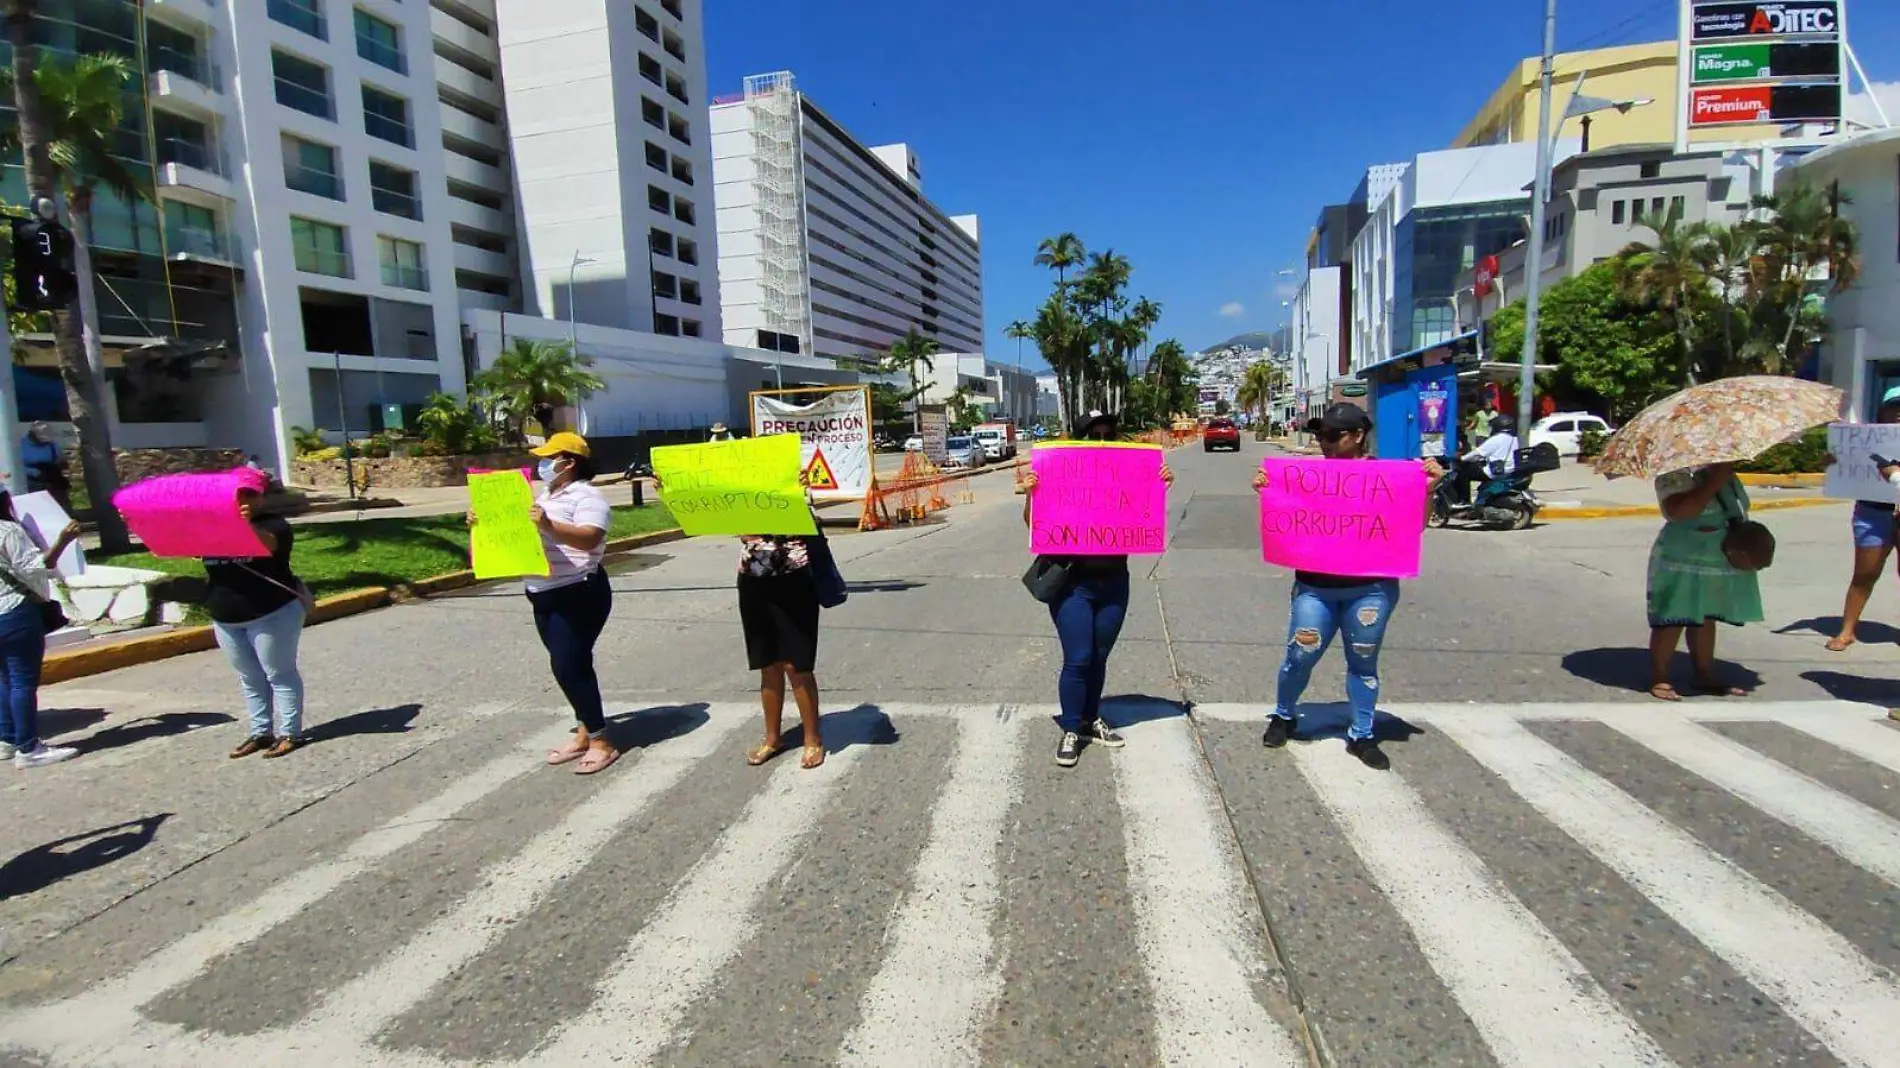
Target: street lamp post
{"points": [[1578, 107], [573, 334]]}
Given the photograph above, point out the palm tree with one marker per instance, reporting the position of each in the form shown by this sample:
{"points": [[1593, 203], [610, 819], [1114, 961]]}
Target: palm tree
{"points": [[69, 117], [1670, 274], [1019, 331], [1731, 251], [532, 379], [1059, 253], [907, 354], [1063, 340], [1257, 387], [1803, 234]]}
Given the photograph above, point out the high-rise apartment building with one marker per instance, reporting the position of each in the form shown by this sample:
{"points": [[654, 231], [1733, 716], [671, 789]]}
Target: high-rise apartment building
{"points": [[332, 184], [606, 103], [829, 247]]}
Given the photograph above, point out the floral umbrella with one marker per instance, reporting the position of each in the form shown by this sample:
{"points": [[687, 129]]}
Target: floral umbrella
{"points": [[1726, 421]]}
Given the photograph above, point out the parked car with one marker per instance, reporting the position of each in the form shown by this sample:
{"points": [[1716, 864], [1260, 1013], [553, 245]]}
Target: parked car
{"points": [[914, 443], [965, 452], [1221, 434], [1565, 430]]}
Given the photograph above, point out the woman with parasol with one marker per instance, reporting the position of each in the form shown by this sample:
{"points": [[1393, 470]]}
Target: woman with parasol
{"points": [[1703, 567]]}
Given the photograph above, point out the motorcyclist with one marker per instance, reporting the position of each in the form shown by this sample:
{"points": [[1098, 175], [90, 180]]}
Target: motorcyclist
{"points": [[1495, 457]]}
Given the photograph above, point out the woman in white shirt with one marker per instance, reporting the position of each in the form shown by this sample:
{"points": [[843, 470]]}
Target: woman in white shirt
{"points": [[26, 584], [572, 603]]}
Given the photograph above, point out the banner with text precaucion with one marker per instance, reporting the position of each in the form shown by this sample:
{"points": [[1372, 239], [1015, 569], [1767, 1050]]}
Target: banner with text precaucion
{"points": [[1855, 476], [1343, 517], [834, 431], [503, 543], [749, 486], [1098, 500]]}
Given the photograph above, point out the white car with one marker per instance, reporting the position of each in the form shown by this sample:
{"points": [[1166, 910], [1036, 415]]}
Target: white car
{"points": [[914, 443], [1565, 430]]}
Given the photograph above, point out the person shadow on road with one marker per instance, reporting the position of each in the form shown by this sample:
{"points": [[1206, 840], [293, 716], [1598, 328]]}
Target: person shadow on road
{"points": [[42, 866]]}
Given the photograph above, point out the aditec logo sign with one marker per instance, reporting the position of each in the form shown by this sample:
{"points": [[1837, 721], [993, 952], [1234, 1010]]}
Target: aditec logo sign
{"points": [[1790, 18]]}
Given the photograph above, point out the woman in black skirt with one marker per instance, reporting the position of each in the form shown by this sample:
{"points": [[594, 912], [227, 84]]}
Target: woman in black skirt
{"points": [[778, 610]]}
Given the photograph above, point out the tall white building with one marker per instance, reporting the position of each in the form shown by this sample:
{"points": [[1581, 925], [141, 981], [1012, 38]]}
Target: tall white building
{"points": [[606, 106], [826, 246]]}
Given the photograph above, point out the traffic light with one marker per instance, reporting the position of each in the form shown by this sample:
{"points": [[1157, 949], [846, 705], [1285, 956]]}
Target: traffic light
{"points": [[43, 265]]}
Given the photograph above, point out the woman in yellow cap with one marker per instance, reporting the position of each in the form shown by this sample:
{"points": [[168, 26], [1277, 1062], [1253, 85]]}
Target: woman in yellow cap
{"points": [[572, 603]]}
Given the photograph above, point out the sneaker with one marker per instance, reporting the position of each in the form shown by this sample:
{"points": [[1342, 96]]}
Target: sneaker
{"points": [[251, 745], [1369, 753], [1099, 733], [7, 751], [1279, 732], [283, 747], [42, 755], [1069, 749]]}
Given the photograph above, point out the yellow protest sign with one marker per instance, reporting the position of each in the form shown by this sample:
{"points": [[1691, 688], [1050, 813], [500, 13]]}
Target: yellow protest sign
{"points": [[503, 543], [749, 486]]}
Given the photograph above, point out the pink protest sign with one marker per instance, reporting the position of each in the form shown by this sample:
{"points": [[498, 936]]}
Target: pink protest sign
{"points": [[190, 515], [1098, 500], [1343, 517]]}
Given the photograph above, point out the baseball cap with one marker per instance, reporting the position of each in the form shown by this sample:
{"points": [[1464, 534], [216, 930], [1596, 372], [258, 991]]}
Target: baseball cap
{"points": [[1340, 416], [1892, 396], [564, 443]]}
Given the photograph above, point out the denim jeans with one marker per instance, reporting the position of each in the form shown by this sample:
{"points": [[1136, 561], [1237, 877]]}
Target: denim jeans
{"points": [[22, 652], [1361, 614], [263, 652], [1088, 619], [569, 620]]}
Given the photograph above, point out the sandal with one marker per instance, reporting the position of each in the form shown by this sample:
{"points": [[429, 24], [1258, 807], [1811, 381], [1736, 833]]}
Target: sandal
{"points": [[812, 756], [1663, 691], [763, 753], [596, 760], [573, 750], [1712, 688], [1838, 644]]}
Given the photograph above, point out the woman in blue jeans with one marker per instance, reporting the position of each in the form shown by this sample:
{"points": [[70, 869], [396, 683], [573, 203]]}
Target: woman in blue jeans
{"points": [[25, 585], [1357, 607], [257, 614], [1088, 618]]}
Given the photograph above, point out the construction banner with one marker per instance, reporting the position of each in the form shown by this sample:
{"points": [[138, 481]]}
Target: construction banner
{"points": [[834, 430]]}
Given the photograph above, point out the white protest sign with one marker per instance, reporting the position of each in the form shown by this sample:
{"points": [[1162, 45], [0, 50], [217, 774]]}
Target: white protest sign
{"points": [[1855, 476], [834, 429], [43, 519]]}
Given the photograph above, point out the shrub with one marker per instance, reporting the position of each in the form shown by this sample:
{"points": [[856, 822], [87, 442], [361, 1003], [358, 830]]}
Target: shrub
{"points": [[1591, 443], [306, 440], [376, 447], [1805, 455], [323, 455], [451, 427]]}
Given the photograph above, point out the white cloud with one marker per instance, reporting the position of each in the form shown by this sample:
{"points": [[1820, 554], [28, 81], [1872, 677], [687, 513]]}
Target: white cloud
{"points": [[1860, 106], [1233, 309]]}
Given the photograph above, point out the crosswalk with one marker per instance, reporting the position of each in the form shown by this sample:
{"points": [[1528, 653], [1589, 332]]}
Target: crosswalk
{"points": [[936, 885]]}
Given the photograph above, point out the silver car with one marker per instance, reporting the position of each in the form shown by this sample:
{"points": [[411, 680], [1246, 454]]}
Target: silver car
{"points": [[963, 452]]}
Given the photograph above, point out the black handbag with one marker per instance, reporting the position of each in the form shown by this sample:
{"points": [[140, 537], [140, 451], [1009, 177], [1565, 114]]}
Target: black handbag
{"points": [[52, 616], [825, 576], [1047, 579]]}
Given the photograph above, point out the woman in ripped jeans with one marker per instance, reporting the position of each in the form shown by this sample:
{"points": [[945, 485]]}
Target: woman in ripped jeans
{"points": [[1326, 605]]}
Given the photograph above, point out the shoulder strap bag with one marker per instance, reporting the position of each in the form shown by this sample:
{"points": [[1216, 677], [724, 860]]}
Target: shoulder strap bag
{"points": [[1047, 579], [52, 616], [301, 591], [1748, 545]]}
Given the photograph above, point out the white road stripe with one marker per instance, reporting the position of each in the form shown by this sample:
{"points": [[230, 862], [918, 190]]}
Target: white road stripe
{"points": [[1861, 736], [101, 1024], [1533, 1003], [1816, 976], [512, 888], [1860, 834], [715, 910], [1793, 713], [1196, 920], [940, 978]]}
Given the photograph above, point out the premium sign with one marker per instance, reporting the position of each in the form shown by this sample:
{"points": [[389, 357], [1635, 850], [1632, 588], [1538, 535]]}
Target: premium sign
{"points": [[1789, 18], [1742, 105], [1762, 62]]}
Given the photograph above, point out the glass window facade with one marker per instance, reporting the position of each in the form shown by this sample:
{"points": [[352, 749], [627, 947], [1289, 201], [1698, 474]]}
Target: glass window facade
{"points": [[320, 247], [379, 42], [302, 85], [401, 263], [305, 15], [392, 190], [1434, 251], [386, 116], [312, 168]]}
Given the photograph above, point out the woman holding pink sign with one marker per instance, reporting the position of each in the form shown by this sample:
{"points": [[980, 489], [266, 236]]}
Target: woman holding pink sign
{"points": [[1328, 606], [1088, 601], [257, 609]]}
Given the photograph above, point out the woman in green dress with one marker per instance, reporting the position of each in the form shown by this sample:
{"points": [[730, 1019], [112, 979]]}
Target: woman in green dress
{"points": [[1692, 585]]}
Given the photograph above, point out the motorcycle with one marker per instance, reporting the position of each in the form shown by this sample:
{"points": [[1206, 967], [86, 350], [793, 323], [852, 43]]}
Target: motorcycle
{"points": [[1504, 502]]}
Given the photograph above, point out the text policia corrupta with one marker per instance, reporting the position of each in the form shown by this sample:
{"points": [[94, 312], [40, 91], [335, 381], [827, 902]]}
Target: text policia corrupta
{"points": [[1339, 486]]}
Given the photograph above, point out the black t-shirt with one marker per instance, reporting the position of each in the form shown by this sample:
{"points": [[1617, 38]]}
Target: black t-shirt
{"points": [[1321, 580], [1094, 566], [241, 589]]}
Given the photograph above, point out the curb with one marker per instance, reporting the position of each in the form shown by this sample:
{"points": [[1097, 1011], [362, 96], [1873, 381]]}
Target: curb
{"points": [[1637, 511], [133, 652], [1808, 481]]}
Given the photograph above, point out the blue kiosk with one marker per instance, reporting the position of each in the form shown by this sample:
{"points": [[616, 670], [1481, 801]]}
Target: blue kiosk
{"points": [[1415, 403]]}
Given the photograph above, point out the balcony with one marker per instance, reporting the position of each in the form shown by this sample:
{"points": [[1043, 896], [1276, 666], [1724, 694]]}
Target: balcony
{"points": [[196, 243], [458, 34], [321, 261], [459, 123], [476, 217], [185, 94], [460, 80], [190, 166], [460, 168], [482, 261], [313, 180], [189, 15], [395, 274]]}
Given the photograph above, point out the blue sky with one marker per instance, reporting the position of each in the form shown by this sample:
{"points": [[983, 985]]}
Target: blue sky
{"points": [[1200, 145]]}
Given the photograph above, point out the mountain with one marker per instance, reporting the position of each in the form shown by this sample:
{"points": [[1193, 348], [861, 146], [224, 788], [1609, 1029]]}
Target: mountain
{"points": [[1258, 339]]}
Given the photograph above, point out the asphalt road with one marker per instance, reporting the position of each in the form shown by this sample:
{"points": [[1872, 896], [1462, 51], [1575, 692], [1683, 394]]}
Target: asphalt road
{"points": [[1557, 872]]}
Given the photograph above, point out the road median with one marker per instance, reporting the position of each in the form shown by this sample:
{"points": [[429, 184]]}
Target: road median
{"points": [[1638, 511]]}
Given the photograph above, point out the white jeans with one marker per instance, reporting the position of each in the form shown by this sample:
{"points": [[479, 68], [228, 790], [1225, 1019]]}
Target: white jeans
{"points": [[264, 654]]}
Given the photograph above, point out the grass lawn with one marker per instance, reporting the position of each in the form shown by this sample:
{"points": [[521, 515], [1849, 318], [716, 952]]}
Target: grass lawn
{"points": [[339, 557]]}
